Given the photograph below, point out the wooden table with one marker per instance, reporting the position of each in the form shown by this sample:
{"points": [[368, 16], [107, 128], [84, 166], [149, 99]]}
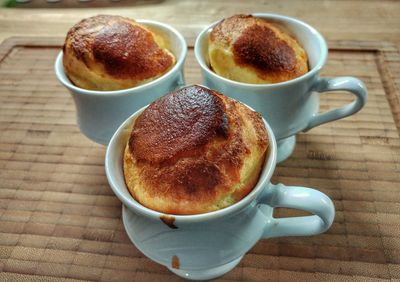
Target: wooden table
{"points": [[337, 20], [60, 220]]}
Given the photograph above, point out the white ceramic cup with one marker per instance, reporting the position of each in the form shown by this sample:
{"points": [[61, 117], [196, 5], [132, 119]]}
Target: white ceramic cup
{"points": [[99, 113], [208, 245], [291, 106]]}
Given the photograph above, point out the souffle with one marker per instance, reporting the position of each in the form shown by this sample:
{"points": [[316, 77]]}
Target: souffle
{"points": [[194, 151], [248, 49], [111, 53]]}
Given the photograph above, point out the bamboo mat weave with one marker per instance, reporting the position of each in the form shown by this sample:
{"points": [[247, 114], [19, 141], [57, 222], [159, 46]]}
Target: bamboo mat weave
{"points": [[59, 220]]}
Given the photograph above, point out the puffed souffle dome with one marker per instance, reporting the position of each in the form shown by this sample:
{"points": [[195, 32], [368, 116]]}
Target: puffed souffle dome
{"points": [[253, 50], [106, 53], [194, 151]]}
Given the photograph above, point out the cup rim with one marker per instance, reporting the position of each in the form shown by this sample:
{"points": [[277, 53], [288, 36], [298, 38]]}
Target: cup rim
{"points": [[114, 147], [280, 18], [62, 77]]}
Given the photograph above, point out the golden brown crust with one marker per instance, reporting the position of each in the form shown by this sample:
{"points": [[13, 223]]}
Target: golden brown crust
{"points": [[253, 50], [194, 151], [112, 52], [259, 47], [178, 124]]}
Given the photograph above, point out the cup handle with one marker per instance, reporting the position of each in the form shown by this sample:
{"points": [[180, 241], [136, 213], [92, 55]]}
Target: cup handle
{"points": [[301, 198], [350, 84]]}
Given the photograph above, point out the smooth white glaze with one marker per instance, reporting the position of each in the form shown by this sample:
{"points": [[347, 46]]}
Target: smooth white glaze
{"points": [[99, 113]]}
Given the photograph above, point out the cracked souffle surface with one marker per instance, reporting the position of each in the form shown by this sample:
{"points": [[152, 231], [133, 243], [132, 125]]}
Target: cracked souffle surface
{"points": [[194, 151]]}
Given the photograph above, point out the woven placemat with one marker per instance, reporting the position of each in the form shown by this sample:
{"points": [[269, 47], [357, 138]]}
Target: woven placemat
{"points": [[60, 220]]}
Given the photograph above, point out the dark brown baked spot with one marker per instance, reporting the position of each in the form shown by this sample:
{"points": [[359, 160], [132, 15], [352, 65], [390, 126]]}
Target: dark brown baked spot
{"points": [[126, 51], [179, 122], [168, 220], [175, 263], [259, 47]]}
